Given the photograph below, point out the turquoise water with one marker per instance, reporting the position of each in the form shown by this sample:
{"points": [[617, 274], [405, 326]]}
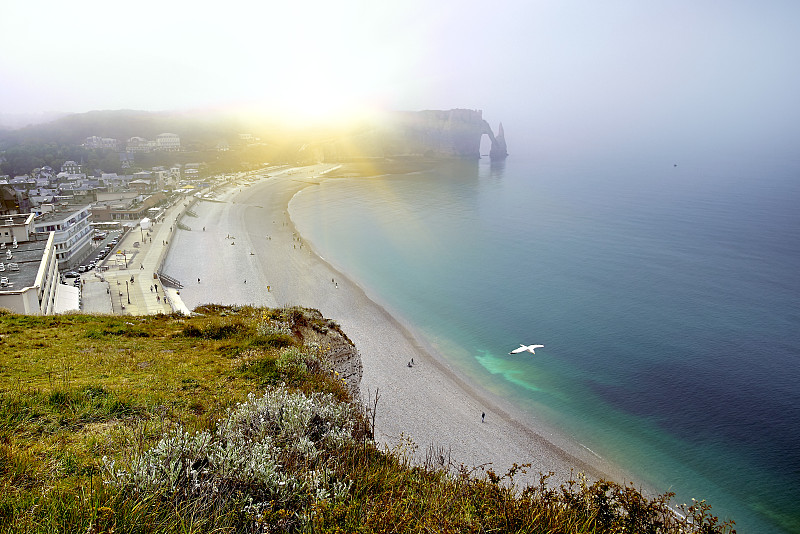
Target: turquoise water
{"points": [[667, 298]]}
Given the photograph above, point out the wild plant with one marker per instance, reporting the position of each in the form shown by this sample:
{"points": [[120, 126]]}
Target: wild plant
{"points": [[271, 458]]}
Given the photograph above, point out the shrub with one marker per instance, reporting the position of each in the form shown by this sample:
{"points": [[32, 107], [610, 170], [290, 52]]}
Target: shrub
{"points": [[270, 455]]}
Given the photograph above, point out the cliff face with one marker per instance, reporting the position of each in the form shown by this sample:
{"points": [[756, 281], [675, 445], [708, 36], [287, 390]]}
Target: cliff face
{"points": [[336, 347], [454, 133]]}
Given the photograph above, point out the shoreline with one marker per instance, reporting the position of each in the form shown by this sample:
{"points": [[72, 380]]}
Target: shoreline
{"points": [[432, 404]]}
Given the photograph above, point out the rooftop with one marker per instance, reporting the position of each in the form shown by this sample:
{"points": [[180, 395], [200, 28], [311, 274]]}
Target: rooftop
{"points": [[27, 256], [61, 212]]}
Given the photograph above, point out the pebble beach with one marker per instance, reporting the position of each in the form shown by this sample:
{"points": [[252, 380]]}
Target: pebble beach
{"points": [[243, 248]]}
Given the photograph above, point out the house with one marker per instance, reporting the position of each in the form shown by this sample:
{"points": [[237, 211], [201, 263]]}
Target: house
{"points": [[13, 201], [70, 167], [142, 182], [126, 159], [125, 209], [140, 186]]}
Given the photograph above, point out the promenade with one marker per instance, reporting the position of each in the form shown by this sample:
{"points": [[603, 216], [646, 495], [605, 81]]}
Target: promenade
{"points": [[128, 283]]}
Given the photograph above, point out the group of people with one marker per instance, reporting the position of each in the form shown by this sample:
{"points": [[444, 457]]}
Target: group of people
{"points": [[158, 297]]}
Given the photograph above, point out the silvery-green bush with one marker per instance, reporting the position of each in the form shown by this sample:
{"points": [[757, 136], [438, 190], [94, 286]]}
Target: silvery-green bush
{"points": [[269, 326], [268, 452]]}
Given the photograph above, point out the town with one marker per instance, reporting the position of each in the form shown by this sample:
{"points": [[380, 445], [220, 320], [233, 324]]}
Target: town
{"points": [[57, 226]]}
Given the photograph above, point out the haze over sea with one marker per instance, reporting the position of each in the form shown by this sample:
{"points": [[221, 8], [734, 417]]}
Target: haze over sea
{"points": [[667, 298]]}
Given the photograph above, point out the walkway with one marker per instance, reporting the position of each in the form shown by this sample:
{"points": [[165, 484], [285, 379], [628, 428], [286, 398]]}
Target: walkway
{"points": [[132, 283]]}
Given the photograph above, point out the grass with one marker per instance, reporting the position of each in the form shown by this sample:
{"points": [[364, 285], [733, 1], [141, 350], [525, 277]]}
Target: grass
{"points": [[229, 421]]}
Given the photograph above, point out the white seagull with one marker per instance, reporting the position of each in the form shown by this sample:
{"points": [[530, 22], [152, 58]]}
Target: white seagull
{"points": [[529, 348]]}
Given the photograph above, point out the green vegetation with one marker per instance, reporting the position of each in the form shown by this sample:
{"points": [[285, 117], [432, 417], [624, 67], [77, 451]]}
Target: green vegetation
{"points": [[229, 421], [51, 144]]}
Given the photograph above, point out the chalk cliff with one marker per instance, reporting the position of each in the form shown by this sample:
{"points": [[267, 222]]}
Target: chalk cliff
{"points": [[499, 150], [454, 133]]}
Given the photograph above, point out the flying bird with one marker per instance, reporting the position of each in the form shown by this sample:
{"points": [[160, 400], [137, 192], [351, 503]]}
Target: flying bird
{"points": [[528, 348]]}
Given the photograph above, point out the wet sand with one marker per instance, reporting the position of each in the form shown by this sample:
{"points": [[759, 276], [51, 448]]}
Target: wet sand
{"points": [[250, 243]]}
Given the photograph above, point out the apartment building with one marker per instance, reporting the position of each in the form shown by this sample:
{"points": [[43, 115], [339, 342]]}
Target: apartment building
{"points": [[29, 276]]}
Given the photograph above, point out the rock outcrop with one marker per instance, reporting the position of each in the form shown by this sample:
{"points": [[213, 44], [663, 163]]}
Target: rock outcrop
{"points": [[336, 347], [454, 133], [499, 149]]}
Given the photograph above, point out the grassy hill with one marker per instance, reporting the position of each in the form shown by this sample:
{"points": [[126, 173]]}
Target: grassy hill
{"points": [[237, 420]]}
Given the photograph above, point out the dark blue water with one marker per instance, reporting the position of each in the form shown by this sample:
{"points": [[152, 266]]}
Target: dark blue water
{"points": [[668, 300]]}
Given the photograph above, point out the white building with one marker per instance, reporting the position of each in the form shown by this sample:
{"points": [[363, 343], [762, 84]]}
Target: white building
{"points": [[73, 234], [29, 270], [168, 142], [139, 144], [70, 167], [101, 142]]}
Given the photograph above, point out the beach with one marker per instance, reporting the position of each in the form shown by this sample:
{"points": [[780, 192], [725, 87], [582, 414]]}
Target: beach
{"points": [[243, 248]]}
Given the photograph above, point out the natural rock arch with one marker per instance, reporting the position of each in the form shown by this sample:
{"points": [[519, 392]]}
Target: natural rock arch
{"points": [[499, 149]]}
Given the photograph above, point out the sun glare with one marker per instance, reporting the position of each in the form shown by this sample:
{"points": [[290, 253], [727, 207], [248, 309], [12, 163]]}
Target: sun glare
{"points": [[306, 102]]}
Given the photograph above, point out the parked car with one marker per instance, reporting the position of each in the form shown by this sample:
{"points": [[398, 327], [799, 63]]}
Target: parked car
{"points": [[71, 274], [82, 269]]}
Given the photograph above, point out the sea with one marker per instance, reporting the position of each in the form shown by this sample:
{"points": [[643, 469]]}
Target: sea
{"points": [[666, 294]]}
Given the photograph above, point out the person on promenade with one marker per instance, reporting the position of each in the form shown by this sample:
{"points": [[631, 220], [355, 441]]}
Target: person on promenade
{"points": [[483, 417]]}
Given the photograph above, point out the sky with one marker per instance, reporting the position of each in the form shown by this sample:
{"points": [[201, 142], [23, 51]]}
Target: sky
{"points": [[572, 69]]}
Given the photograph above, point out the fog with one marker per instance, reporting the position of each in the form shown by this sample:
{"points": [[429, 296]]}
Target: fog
{"points": [[559, 74]]}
